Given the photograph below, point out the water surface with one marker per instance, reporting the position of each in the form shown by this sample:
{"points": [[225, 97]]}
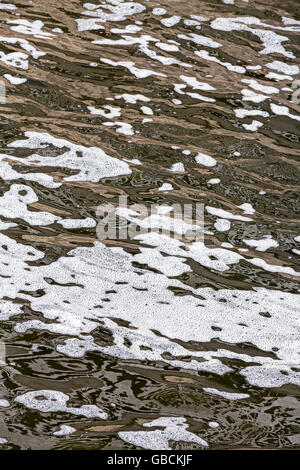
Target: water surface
{"points": [[152, 341]]}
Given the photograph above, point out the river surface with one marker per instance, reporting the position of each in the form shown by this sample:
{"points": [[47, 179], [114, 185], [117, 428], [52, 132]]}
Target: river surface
{"points": [[150, 341]]}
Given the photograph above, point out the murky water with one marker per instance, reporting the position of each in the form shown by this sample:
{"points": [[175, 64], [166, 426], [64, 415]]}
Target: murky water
{"points": [[150, 341]]}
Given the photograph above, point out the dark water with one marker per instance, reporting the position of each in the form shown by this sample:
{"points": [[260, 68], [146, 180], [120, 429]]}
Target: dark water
{"points": [[108, 336]]}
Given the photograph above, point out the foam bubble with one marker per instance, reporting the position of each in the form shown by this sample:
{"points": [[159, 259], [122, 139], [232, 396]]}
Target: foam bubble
{"points": [[175, 429], [263, 244], [169, 22], [205, 160], [50, 401], [4, 403], [227, 395], [64, 430], [14, 80], [92, 165], [104, 13]]}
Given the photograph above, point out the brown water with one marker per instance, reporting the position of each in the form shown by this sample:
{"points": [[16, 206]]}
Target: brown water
{"points": [[146, 328]]}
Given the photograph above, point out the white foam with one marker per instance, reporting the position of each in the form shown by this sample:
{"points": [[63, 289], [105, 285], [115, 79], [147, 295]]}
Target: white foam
{"points": [[122, 127], [258, 86], [222, 225], [270, 40], [289, 21], [78, 223], [170, 266], [7, 6], [249, 95], [227, 395], [33, 28], [109, 111], [177, 167], [197, 96], [14, 80], [167, 47], [8, 310], [232, 68], [146, 110], [106, 12], [139, 73], [205, 160], [4, 403], [159, 11], [226, 245], [8, 173], [195, 84], [130, 28], [283, 111], [91, 163], [143, 45], [175, 429], [214, 181], [50, 401], [213, 424], [200, 40], [276, 76], [19, 59], [253, 67], [171, 21], [247, 208], [128, 98], [199, 18], [282, 67], [263, 244], [166, 187], [157, 221], [13, 204], [254, 126], [24, 44], [178, 87], [225, 214], [57, 30], [94, 271], [192, 23], [242, 113], [64, 430], [273, 268], [87, 25]]}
